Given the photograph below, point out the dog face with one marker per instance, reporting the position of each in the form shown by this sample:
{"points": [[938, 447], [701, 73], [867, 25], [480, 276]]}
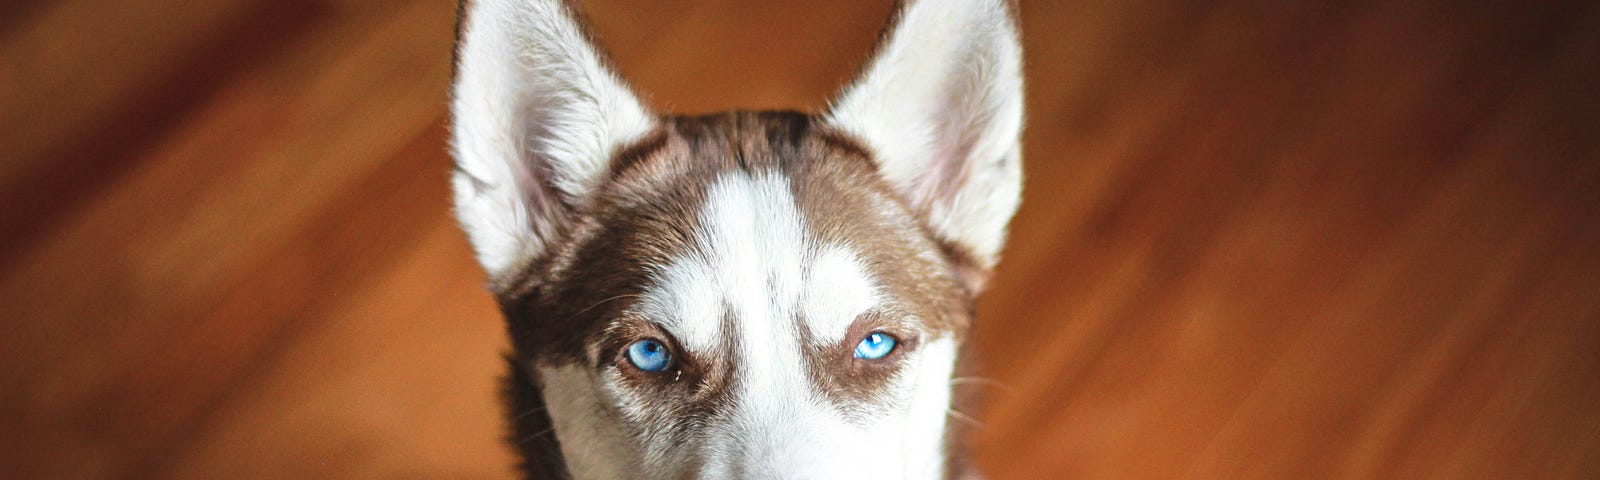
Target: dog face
{"points": [[745, 295]]}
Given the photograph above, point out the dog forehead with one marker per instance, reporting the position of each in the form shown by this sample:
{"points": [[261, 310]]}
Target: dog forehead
{"points": [[755, 261]]}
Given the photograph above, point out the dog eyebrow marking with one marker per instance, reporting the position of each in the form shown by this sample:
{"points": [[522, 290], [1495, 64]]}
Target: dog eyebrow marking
{"points": [[838, 289]]}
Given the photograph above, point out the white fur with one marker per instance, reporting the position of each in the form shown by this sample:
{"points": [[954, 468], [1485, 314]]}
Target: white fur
{"points": [[537, 116], [923, 427], [941, 107]]}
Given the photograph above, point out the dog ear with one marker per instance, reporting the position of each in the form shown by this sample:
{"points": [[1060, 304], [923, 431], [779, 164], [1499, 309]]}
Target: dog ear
{"points": [[537, 115], [940, 106]]}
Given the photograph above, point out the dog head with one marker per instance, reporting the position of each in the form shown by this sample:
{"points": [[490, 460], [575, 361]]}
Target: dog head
{"points": [[743, 295]]}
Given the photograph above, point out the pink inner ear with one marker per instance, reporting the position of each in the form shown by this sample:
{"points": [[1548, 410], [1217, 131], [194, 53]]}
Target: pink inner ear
{"points": [[943, 180], [959, 122]]}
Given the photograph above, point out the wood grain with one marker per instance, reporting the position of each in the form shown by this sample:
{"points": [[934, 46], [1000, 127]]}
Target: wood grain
{"points": [[1260, 239]]}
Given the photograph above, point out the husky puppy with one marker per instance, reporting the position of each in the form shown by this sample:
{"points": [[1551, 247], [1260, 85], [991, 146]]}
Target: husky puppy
{"points": [[740, 295]]}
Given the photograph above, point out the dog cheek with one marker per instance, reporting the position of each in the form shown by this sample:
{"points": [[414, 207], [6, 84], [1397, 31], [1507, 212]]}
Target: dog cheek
{"points": [[592, 441], [649, 415], [929, 409]]}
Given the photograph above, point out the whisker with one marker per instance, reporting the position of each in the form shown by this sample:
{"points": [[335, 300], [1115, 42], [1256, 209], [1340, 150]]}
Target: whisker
{"points": [[964, 417], [535, 435], [526, 413], [603, 302]]}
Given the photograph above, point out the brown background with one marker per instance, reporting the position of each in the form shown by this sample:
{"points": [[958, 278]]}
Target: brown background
{"points": [[1261, 239]]}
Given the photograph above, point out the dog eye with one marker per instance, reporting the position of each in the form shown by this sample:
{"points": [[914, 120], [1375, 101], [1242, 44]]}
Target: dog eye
{"points": [[875, 346], [649, 355]]}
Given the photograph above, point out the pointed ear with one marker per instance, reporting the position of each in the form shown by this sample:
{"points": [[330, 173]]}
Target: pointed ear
{"points": [[940, 106], [537, 116]]}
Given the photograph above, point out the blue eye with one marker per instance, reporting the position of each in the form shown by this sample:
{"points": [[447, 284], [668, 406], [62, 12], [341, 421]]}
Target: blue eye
{"points": [[649, 355], [875, 346]]}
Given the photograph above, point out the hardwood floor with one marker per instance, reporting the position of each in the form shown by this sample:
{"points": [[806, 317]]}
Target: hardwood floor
{"points": [[1260, 239]]}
